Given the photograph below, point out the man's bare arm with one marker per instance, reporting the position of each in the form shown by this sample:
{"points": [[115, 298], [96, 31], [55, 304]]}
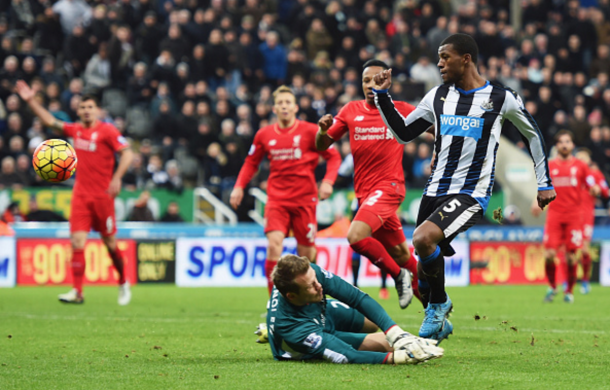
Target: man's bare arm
{"points": [[28, 95]]}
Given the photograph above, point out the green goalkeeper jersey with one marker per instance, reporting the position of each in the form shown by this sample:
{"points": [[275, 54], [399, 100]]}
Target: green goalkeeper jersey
{"points": [[307, 332]]}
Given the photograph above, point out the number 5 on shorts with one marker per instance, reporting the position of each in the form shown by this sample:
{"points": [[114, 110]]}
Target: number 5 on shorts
{"points": [[453, 204]]}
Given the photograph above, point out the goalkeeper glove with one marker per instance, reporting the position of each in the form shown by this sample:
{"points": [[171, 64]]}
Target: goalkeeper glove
{"points": [[261, 332]]}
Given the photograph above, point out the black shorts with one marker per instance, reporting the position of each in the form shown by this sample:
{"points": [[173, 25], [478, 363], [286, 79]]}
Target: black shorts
{"points": [[452, 213]]}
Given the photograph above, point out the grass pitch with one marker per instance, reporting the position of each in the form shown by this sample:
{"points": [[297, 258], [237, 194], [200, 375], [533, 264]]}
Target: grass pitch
{"points": [[171, 337]]}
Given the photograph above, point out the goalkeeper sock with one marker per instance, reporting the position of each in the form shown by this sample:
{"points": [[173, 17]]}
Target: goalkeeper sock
{"points": [[550, 269], [586, 266], [355, 266], [118, 262], [78, 269], [571, 277], [269, 266], [433, 267], [377, 254]]}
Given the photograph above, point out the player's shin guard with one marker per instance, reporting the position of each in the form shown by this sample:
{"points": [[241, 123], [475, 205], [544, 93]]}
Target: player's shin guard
{"points": [[119, 263], [550, 269], [78, 269], [571, 277], [586, 266], [377, 254], [269, 266], [433, 267], [355, 267]]}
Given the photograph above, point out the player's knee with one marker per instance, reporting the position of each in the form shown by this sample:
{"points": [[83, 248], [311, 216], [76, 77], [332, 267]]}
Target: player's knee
{"points": [[423, 242], [354, 236]]}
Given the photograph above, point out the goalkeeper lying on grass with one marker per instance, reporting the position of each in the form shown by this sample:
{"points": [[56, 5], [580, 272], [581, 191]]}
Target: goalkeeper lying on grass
{"points": [[303, 324]]}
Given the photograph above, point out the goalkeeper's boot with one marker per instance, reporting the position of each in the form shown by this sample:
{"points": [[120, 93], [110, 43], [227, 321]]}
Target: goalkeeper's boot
{"points": [[262, 333], [550, 295], [585, 287], [124, 294], [434, 320], [445, 331], [71, 297], [404, 288], [568, 298]]}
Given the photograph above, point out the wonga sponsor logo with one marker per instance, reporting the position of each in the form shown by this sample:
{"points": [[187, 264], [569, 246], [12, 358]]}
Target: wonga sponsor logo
{"points": [[462, 126]]}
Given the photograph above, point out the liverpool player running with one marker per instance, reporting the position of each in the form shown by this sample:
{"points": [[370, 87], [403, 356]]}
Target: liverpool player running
{"points": [[289, 145], [588, 210], [468, 113], [379, 182], [96, 185], [565, 217]]}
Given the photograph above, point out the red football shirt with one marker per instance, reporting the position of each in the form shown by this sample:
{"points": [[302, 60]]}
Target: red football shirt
{"points": [[293, 159], [377, 154], [95, 150], [588, 199], [570, 178]]}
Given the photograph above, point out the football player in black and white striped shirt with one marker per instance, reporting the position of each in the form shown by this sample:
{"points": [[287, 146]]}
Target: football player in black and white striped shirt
{"points": [[468, 113]]}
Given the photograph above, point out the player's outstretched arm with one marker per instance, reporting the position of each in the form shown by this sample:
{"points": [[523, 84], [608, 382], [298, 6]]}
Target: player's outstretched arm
{"points": [[527, 126], [323, 141], [125, 159], [404, 129], [27, 94]]}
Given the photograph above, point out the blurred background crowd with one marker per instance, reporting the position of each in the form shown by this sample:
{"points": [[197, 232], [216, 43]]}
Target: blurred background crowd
{"points": [[189, 82]]}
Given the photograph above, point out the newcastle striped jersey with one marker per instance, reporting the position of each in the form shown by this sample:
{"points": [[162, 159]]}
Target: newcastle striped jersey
{"points": [[467, 134]]}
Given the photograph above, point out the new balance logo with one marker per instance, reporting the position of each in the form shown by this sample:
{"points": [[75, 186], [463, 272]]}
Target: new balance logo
{"points": [[272, 142], [359, 118]]}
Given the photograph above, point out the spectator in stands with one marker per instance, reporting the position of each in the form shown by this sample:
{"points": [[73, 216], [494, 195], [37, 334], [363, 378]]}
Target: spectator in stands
{"points": [[172, 214], [140, 211], [217, 56], [424, 71], [98, 73], [135, 177], [174, 178], [274, 59], [35, 214], [9, 178], [72, 13], [147, 37]]}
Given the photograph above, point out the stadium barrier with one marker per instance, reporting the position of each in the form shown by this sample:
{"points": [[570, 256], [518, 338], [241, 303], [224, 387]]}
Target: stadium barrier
{"points": [[194, 256]]}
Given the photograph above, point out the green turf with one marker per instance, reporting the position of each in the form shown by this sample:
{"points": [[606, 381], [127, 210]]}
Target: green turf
{"points": [[203, 338]]}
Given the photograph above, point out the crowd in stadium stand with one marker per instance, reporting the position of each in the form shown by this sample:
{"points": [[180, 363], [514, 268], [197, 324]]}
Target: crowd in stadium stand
{"points": [[189, 82]]}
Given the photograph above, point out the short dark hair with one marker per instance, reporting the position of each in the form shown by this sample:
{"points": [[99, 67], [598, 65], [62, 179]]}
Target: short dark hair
{"points": [[563, 132], [90, 97], [288, 268], [463, 44], [374, 62]]}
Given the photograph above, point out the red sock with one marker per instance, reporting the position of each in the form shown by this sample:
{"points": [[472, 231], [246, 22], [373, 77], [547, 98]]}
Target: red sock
{"points": [[550, 267], [78, 269], [376, 253], [586, 267], [411, 265], [571, 277], [117, 261], [269, 266]]}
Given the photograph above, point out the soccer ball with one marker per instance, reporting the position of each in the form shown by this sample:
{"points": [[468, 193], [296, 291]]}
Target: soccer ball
{"points": [[54, 160]]}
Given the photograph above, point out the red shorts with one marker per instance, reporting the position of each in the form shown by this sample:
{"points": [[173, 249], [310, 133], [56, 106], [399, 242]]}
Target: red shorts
{"points": [[97, 213], [378, 210], [301, 219], [563, 231], [587, 227]]}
